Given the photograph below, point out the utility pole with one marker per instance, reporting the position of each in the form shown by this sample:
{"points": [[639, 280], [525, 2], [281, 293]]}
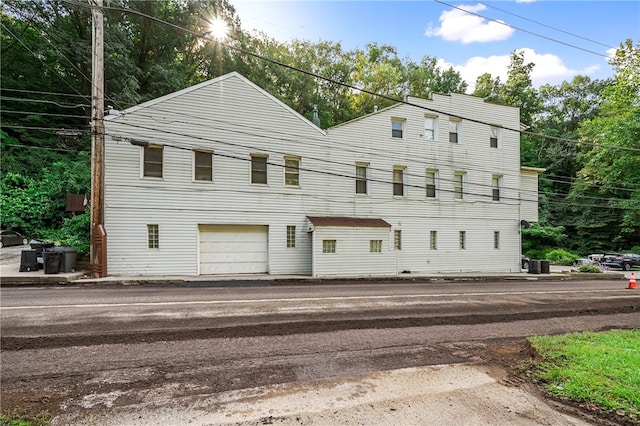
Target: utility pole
{"points": [[98, 241]]}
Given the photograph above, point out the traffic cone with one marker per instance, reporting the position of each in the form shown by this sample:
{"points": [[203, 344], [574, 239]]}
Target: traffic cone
{"points": [[632, 281]]}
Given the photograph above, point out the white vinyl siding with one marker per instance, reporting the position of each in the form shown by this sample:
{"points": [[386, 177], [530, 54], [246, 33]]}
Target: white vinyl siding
{"points": [[179, 205]]}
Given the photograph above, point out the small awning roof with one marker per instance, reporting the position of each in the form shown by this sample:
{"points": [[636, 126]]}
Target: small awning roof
{"points": [[353, 222]]}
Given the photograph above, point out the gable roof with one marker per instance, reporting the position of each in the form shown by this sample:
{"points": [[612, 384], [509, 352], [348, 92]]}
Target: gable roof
{"points": [[218, 80]]}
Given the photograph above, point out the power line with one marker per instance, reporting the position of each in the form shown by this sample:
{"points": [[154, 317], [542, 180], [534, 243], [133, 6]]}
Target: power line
{"points": [[49, 114], [521, 29], [44, 101], [545, 25], [37, 92], [349, 86]]}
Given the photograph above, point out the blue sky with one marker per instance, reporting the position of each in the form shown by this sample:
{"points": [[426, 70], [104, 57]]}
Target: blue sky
{"points": [[470, 43]]}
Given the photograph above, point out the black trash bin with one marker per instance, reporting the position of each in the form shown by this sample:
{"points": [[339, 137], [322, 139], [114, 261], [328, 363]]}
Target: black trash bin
{"points": [[51, 260], [68, 257], [544, 267], [534, 266], [28, 260], [40, 247]]}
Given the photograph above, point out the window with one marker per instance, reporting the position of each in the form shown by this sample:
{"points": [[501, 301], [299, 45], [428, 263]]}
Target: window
{"points": [[494, 137], [433, 240], [458, 185], [202, 166], [431, 128], [328, 246], [259, 169], [496, 186], [463, 240], [153, 237], [397, 128], [454, 131], [432, 183], [397, 239], [496, 239], [291, 236], [152, 161], [375, 246], [399, 180], [291, 171], [362, 171]]}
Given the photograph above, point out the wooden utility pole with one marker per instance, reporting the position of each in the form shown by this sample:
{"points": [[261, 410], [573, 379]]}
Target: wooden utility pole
{"points": [[98, 256]]}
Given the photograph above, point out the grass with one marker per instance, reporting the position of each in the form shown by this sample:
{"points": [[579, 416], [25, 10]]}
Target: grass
{"points": [[592, 368], [25, 420]]}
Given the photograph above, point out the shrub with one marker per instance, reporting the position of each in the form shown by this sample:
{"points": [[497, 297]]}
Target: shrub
{"points": [[589, 269], [74, 232], [561, 257]]}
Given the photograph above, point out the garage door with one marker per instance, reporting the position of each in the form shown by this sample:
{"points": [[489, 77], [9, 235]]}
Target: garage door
{"points": [[233, 249]]}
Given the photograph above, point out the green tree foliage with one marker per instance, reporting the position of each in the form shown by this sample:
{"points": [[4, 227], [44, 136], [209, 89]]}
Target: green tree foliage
{"points": [[611, 160]]}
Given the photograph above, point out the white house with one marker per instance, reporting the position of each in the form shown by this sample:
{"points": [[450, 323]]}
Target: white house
{"points": [[223, 178]]}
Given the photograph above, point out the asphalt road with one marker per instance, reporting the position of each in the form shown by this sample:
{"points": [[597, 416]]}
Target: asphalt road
{"points": [[87, 353]]}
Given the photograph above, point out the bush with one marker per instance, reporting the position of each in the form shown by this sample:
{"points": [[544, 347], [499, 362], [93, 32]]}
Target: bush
{"points": [[589, 269], [561, 257], [74, 232]]}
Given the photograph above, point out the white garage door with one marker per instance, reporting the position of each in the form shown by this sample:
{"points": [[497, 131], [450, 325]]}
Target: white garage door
{"points": [[233, 249]]}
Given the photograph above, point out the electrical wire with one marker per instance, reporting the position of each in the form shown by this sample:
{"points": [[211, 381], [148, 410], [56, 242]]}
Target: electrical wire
{"points": [[37, 92], [545, 25], [523, 30], [43, 101]]}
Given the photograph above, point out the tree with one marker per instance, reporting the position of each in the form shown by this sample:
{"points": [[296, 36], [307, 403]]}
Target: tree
{"points": [[611, 158], [426, 77]]}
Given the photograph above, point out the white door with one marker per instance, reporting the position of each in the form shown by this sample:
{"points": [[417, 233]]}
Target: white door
{"points": [[233, 249]]}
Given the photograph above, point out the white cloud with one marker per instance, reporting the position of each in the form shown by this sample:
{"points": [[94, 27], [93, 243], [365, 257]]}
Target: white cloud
{"points": [[548, 69], [457, 25]]}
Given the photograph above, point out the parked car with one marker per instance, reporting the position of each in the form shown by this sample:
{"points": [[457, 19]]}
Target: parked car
{"points": [[12, 238], [624, 261]]}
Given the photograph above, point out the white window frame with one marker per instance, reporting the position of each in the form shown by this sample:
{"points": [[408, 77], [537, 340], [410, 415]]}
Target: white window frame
{"points": [[394, 124], [144, 161], [432, 173], [495, 132], [397, 239], [153, 236], [431, 133], [329, 246], [496, 188], [360, 179], [455, 127], [196, 166], [266, 169], [291, 236], [400, 184], [292, 171], [459, 185], [433, 240], [375, 246]]}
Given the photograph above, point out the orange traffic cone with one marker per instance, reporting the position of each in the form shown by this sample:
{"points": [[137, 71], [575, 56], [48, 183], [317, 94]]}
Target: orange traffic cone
{"points": [[632, 281]]}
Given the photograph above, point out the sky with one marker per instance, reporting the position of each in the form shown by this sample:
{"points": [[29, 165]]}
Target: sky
{"points": [[562, 38]]}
